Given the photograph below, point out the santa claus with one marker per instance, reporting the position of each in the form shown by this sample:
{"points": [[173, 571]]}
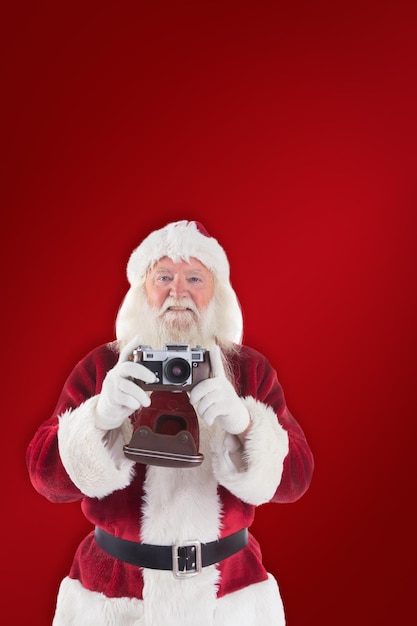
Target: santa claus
{"points": [[171, 544]]}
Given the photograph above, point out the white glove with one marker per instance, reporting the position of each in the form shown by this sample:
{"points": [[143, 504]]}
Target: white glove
{"points": [[215, 398], [119, 396]]}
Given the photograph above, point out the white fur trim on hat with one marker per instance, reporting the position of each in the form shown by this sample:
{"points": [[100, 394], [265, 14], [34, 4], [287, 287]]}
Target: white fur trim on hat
{"points": [[178, 241]]}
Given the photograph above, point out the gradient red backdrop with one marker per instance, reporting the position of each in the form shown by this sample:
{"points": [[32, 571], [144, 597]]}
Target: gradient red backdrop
{"points": [[289, 130]]}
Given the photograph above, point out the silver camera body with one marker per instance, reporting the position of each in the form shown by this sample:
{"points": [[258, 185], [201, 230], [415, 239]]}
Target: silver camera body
{"points": [[176, 367]]}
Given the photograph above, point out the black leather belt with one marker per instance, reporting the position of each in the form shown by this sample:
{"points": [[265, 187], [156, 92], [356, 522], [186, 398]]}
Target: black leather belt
{"points": [[183, 560]]}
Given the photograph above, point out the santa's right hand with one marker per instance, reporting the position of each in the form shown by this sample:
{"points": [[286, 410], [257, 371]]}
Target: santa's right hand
{"points": [[120, 396]]}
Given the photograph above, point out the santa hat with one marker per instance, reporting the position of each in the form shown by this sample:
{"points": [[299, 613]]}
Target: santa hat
{"points": [[179, 241]]}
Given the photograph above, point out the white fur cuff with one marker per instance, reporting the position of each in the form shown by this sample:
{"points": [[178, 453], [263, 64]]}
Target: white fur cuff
{"points": [[93, 459], [257, 478]]}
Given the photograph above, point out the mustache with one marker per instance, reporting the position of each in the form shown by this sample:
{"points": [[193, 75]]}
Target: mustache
{"points": [[178, 303]]}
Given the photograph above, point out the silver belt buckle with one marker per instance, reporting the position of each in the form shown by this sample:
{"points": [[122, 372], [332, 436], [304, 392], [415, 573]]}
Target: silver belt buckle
{"points": [[192, 559]]}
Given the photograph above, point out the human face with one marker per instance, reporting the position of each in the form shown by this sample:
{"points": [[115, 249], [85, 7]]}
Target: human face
{"points": [[182, 287]]}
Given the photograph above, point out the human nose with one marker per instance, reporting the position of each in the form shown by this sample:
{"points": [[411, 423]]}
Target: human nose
{"points": [[178, 287]]}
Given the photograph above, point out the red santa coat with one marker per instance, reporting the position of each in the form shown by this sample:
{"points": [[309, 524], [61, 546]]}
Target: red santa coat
{"points": [[71, 459]]}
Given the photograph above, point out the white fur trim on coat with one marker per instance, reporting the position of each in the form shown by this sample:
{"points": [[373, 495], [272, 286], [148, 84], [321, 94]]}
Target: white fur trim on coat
{"points": [[181, 505], [259, 604], [257, 477], [94, 458]]}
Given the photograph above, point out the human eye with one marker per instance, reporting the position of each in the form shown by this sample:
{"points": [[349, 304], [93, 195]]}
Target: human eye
{"points": [[163, 278], [194, 279]]}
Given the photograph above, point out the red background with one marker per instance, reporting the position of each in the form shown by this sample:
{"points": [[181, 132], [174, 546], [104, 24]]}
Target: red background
{"points": [[289, 130]]}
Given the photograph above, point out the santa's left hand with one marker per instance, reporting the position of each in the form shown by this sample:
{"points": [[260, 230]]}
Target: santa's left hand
{"points": [[216, 399]]}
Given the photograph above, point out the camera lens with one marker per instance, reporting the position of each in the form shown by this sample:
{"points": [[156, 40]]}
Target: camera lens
{"points": [[177, 371]]}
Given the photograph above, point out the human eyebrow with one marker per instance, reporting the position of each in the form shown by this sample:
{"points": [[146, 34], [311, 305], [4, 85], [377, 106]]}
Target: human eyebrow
{"points": [[162, 274], [195, 275], [194, 272], [162, 270]]}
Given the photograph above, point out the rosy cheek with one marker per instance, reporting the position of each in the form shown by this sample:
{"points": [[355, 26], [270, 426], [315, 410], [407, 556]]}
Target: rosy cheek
{"points": [[159, 296]]}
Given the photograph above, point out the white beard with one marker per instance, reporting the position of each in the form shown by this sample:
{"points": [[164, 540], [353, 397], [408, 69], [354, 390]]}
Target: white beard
{"points": [[157, 327]]}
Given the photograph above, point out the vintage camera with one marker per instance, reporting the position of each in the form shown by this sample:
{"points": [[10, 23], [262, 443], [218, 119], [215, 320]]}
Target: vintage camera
{"points": [[177, 367]]}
